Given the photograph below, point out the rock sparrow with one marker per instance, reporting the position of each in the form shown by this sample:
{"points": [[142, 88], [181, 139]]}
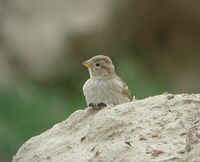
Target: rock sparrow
{"points": [[104, 87]]}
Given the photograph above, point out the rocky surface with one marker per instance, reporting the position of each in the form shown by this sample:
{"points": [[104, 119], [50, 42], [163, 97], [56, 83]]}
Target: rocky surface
{"points": [[162, 128]]}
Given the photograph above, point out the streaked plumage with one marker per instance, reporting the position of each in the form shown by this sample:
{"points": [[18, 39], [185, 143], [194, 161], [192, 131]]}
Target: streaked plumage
{"points": [[104, 86]]}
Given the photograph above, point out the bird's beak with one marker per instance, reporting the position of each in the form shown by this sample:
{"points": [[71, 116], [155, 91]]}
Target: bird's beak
{"points": [[87, 64]]}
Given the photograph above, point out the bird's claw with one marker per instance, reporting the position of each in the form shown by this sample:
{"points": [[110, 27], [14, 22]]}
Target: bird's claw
{"points": [[98, 105], [101, 105]]}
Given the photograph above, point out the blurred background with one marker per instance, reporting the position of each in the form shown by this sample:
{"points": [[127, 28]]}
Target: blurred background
{"points": [[154, 44]]}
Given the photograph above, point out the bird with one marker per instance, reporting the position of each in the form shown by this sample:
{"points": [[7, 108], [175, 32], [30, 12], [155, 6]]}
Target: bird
{"points": [[104, 87]]}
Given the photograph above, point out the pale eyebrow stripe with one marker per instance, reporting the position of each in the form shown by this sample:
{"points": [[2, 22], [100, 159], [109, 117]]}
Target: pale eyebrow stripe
{"points": [[104, 59]]}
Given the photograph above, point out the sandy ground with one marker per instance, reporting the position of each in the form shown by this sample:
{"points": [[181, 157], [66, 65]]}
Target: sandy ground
{"points": [[163, 128]]}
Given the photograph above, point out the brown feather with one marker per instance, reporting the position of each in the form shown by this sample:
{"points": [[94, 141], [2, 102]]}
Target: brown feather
{"points": [[126, 93]]}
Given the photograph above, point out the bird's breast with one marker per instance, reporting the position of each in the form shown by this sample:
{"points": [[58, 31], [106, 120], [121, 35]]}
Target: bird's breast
{"points": [[97, 91]]}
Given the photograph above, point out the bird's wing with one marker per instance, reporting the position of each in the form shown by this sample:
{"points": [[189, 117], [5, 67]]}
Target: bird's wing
{"points": [[124, 88]]}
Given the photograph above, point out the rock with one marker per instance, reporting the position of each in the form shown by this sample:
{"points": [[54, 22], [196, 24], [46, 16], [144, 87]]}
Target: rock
{"points": [[128, 132]]}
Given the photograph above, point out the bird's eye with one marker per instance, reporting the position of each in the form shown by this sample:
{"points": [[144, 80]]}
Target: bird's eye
{"points": [[97, 64]]}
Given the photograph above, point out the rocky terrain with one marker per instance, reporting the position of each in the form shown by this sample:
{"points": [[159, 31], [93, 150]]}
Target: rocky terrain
{"points": [[163, 128]]}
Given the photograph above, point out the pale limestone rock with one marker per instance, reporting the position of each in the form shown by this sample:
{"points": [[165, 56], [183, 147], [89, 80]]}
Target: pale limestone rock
{"points": [[129, 132]]}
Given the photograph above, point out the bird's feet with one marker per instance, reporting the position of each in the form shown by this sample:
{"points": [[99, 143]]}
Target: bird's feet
{"points": [[97, 106]]}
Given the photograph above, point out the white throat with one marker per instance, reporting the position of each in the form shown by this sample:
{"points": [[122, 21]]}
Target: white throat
{"points": [[92, 76]]}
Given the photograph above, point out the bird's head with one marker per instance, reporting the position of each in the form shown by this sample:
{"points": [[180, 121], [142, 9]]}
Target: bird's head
{"points": [[100, 66]]}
